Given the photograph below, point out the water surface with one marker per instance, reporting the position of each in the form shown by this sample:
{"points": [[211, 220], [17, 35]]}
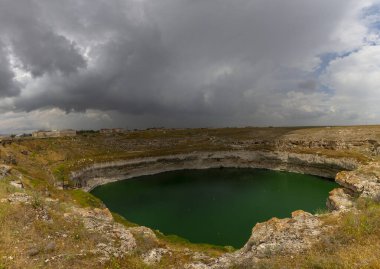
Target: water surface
{"points": [[215, 206]]}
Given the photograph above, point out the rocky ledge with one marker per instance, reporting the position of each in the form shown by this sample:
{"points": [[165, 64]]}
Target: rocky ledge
{"points": [[362, 182], [102, 173], [276, 236]]}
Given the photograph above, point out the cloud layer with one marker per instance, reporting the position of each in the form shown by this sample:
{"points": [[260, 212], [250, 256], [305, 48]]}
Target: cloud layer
{"points": [[141, 63]]}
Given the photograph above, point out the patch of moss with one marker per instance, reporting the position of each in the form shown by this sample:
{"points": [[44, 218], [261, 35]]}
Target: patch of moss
{"points": [[85, 199], [178, 241], [321, 211], [120, 219], [35, 183]]}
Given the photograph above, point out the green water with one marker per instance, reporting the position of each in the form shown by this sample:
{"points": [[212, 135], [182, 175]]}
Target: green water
{"points": [[215, 206]]}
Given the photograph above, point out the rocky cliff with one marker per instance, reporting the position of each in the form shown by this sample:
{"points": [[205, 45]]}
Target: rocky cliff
{"points": [[102, 173]]}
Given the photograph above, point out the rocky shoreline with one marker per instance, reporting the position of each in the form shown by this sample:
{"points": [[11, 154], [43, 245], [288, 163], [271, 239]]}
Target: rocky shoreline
{"points": [[103, 173]]}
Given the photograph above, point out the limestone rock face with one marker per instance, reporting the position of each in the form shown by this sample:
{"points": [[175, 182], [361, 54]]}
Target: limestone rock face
{"points": [[350, 181], [340, 199], [289, 235], [118, 240], [146, 234], [365, 181], [276, 236], [102, 173]]}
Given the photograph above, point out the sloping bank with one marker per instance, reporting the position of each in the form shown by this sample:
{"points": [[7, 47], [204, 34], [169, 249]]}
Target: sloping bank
{"points": [[289, 235]]}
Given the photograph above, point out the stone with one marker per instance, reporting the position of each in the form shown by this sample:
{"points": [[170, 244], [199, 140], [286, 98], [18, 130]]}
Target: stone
{"points": [[199, 256], [50, 247], [33, 252], [350, 181], [4, 170], [144, 232], [365, 181], [155, 255], [19, 197], [17, 184], [340, 199], [117, 240], [10, 159], [280, 236]]}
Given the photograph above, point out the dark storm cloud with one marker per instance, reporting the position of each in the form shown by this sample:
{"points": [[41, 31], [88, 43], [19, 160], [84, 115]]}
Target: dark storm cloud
{"points": [[180, 59], [38, 58], [8, 87], [38, 48]]}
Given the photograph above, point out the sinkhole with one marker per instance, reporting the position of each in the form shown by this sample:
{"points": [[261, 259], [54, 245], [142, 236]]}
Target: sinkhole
{"points": [[214, 206]]}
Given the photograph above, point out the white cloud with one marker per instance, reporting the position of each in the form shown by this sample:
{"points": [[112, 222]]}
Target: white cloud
{"points": [[355, 80], [19, 122], [356, 75]]}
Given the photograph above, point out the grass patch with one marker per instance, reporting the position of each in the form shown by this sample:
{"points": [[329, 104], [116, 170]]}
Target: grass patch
{"points": [[35, 183], [360, 224], [177, 241], [130, 262], [321, 211], [85, 199], [120, 219]]}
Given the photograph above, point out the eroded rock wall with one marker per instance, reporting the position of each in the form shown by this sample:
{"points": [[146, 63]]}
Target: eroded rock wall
{"points": [[103, 173]]}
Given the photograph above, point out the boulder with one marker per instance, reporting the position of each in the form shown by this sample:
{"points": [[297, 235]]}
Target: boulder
{"points": [[289, 235], [155, 255], [340, 199], [365, 181], [33, 252], [4, 170], [50, 247]]}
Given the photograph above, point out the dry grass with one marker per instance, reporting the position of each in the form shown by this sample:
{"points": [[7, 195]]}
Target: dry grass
{"points": [[23, 229], [354, 243], [47, 156]]}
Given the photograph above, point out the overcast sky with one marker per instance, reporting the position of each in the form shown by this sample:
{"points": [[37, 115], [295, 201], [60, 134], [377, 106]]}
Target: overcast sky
{"points": [[188, 63]]}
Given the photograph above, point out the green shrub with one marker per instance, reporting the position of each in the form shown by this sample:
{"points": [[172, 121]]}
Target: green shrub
{"points": [[60, 174]]}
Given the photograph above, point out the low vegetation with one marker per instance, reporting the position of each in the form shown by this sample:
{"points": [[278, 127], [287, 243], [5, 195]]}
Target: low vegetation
{"points": [[354, 243]]}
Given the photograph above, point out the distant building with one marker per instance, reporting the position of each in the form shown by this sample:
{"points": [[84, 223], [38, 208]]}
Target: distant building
{"points": [[54, 133], [23, 135], [112, 131]]}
